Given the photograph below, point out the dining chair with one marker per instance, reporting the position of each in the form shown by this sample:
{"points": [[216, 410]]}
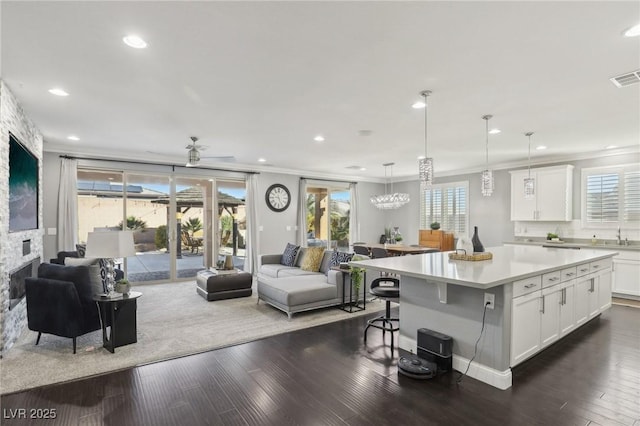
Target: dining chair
{"points": [[379, 252], [361, 250]]}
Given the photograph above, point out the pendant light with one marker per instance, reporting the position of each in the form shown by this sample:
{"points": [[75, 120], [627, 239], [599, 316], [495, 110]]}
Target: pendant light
{"points": [[529, 182], [389, 200], [425, 164], [487, 175]]}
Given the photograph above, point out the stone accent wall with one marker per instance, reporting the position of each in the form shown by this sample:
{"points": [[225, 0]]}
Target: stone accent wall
{"points": [[13, 119]]}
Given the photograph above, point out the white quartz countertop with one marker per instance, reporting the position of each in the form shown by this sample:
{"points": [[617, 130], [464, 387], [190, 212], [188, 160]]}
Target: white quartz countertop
{"points": [[509, 263]]}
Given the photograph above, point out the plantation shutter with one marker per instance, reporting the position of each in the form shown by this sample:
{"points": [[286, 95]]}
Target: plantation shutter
{"points": [[602, 198], [631, 209]]}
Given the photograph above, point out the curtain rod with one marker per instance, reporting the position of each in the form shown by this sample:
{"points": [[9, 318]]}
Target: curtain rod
{"points": [[328, 180], [70, 157]]}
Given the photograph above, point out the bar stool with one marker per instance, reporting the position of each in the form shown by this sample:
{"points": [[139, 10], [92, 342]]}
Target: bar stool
{"points": [[361, 250], [387, 293]]}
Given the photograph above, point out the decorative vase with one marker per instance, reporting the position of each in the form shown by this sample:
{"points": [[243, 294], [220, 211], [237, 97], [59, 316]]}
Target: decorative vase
{"points": [[228, 262], [477, 245], [465, 244]]}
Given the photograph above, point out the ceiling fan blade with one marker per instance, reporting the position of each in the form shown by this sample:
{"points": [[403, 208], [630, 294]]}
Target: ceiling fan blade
{"points": [[219, 157]]}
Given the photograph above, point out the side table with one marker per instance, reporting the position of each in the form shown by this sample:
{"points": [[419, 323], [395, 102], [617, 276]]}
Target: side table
{"points": [[118, 312], [350, 306]]}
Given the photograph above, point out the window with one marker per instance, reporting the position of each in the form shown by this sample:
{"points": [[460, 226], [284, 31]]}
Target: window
{"points": [[611, 196], [447, 204], [328, 211]]}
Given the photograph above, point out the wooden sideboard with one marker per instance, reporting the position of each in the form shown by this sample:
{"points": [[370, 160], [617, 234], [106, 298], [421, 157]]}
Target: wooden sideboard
{"points": [[440, 240]]}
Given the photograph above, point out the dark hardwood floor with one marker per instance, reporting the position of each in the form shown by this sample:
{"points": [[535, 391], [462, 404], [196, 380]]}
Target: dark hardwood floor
{"points": [[326, 376]]}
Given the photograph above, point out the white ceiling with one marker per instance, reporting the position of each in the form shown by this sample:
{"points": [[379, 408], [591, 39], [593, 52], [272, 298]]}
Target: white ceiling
{"points": [[261, 79]]}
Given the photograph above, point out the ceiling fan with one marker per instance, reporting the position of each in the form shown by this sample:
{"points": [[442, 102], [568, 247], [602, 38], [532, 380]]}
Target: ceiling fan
{"points": [[194, 157]]}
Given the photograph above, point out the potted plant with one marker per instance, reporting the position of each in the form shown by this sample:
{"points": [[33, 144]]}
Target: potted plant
{"points": [[123, 286], [357, 276], [435, 226]]}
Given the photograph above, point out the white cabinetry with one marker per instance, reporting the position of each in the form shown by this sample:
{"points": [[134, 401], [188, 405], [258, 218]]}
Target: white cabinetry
{"points": [[626, 273], [553, 194], [547, 307]]}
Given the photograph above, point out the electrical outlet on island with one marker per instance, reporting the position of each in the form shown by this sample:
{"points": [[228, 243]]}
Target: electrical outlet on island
{"points": [[490, 298]]}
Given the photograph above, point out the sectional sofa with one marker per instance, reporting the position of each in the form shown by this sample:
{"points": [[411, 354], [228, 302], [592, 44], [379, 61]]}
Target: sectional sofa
{"points": [[292, 289]]}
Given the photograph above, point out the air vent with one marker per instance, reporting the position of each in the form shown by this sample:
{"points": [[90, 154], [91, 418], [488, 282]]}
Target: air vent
{"points": [[626, 79], [354, 167]]}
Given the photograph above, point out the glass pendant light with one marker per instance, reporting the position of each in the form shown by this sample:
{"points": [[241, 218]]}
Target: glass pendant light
{"points": [[529, 182], [487, 175], [425, 164], [389, 200]]}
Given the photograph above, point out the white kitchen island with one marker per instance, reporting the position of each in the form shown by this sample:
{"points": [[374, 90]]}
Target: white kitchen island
{"points": [[540, 295]]}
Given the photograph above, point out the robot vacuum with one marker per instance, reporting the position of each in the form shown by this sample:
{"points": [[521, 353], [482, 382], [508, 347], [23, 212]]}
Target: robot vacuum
{"points": [[416, 368]]}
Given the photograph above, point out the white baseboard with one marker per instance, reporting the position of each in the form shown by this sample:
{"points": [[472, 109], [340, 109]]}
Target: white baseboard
{"points": [[499, 379]]}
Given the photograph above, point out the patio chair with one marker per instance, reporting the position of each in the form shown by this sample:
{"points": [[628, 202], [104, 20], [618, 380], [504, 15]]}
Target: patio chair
{"points": [[193, 244]]}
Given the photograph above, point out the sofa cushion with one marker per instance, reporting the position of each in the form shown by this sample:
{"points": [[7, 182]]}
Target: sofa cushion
{"points": [[296, 272], [275, 270], [338, 257], [289, 256], [294, 291], [312, 259], [97, 271]]}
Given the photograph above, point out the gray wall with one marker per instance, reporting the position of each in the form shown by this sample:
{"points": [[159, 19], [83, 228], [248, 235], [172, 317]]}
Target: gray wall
{"points": [[490, 214]]}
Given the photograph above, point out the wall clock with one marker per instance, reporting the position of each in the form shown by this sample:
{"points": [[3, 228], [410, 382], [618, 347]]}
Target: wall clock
{"points": [[278, 197]]}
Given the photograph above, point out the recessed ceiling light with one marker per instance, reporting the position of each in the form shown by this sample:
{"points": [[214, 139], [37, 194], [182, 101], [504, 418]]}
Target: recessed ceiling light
{"points": [[541, 147], [261, 160], [611, 146], [494, 131], [633, 31], [421, 157], [418, 105], [58, 92], [319, 138], [73, 138], [134, 41], [362, 169]]}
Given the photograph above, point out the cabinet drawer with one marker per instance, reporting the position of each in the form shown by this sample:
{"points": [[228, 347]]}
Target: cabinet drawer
{"points": [[551, 278], [600, 265], [526, 286], [568, 274], [583, 269]]}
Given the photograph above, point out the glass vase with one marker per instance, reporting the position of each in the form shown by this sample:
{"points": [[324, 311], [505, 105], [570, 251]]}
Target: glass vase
{"points": [[475, 240]]}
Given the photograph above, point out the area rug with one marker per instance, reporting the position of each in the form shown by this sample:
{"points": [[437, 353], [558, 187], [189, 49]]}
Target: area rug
{"points": [[173, 321]]}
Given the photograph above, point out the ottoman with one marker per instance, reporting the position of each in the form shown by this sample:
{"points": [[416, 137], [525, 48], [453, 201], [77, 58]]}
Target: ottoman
{"points": [[224, 285]]}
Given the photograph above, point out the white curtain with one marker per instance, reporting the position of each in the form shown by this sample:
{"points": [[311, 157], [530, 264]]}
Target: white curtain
{"points": [[354, 224], [302, 213], [251, 241], [68, 205]]}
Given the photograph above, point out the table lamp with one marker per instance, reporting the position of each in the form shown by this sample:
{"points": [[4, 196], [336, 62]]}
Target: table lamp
{"points": [[110, 245]]}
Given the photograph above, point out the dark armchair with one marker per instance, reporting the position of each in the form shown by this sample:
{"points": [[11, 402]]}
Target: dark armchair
{"points": [[60, 302]]}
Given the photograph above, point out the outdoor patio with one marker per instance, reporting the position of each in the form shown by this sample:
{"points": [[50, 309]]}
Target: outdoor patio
{"points": [[154, 266]]}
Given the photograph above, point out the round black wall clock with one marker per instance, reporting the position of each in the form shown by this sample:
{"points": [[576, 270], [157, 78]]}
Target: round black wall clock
{"points": [[278, 197]]}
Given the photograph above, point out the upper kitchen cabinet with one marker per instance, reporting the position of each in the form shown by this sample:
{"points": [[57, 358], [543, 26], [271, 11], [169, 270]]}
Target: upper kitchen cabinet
{"points": [[552, 200]]}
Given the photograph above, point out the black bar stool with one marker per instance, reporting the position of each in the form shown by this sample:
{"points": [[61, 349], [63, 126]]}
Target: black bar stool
{"points": [[388, 293]]}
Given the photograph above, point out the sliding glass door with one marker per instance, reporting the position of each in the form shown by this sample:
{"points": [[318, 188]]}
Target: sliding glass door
{"points": [[328, 211], [231, 221]]}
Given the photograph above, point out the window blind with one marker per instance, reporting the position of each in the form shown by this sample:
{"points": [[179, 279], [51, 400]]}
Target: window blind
{"points": [[446, 204], [611, 196]]}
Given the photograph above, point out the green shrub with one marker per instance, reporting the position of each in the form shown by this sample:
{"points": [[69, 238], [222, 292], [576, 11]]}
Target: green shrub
{"points": [[161, 237]]}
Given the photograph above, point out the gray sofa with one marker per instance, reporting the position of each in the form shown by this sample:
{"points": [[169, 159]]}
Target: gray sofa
{"points": [[292, 289]]}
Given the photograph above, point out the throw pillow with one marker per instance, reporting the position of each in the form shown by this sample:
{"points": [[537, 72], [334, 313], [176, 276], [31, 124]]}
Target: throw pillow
{"points": [[97, 271], [312, 259], [289, 256], [338, 257], [81, 249], [360, 257]]}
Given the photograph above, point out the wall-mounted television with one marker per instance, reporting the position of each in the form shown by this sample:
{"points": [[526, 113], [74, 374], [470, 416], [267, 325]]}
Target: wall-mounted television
{"points": [[23, 187]]}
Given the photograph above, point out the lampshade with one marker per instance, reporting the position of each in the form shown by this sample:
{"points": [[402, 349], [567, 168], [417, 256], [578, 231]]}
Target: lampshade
{"points": [[110, 244], [193, 157], [487, 175], [425, 164], [389, 200]]}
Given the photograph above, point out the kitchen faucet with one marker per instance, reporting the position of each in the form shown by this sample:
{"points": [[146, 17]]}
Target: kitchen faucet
{"points": [[618, 236]]}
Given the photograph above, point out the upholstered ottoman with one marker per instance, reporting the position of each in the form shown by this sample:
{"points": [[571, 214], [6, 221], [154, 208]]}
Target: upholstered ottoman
{"points": [[223, 285]]}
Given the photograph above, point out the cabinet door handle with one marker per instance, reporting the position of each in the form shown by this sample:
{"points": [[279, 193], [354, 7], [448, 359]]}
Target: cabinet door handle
{"points": [[569, 274], [542, 310], [596, 266], [584, 270], [552, 279], [593, 283], [564, 296], [530, 285]]}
